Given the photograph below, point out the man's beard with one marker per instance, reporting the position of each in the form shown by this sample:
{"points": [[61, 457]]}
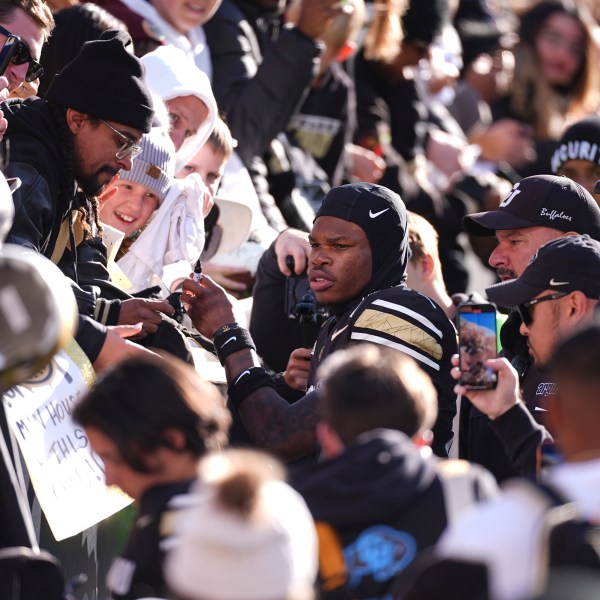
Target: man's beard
{"points": [[90, 184], [506, 274]]}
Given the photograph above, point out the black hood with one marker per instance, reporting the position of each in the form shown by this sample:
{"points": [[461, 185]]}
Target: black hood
{"points": [[377, 477], [381, 214]]}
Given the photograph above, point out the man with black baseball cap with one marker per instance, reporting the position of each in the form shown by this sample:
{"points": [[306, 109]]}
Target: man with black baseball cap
{"points": [[357, 267], [558, 291], [538, 209]]}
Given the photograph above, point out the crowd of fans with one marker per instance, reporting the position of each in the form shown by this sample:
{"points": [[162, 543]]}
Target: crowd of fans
{"points": [[266, 213]]}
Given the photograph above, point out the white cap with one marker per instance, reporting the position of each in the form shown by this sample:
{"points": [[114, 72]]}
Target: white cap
{"points": [[247, 535]]}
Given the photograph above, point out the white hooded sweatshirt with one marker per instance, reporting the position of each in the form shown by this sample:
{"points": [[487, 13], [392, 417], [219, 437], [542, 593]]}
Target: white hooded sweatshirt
{"points": [[175, 233], [193, 43], [169, 74]]}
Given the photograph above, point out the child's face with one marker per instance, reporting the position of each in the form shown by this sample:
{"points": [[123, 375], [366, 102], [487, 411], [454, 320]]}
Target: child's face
{"points": [[209, 164], [127, 206], [186, 14]]}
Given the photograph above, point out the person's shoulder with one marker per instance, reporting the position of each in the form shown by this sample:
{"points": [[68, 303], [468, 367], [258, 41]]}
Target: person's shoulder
{"points": [[229, 12], [407, 321], [467, 482], [503, 533], [412, 304]]}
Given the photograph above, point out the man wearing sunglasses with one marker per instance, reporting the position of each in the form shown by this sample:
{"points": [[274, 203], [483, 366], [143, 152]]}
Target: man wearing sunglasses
{"points": [[32, 22], [538, 209], [556, 294]]}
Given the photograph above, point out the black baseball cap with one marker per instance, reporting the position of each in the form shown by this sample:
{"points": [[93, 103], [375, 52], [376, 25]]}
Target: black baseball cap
{"points": [[540, 201], [568, 264]]}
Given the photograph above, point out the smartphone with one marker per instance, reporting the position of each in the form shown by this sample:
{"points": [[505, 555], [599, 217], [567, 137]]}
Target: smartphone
{"points": [[11, 47], [477, 342]]}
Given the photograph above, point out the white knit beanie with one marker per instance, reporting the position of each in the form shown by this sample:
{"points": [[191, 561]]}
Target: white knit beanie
{"points": [[262, 544], [154, 167]]}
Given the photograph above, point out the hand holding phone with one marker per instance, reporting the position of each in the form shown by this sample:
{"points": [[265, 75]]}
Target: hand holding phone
{"points": [[477, 343], [491, 402]]}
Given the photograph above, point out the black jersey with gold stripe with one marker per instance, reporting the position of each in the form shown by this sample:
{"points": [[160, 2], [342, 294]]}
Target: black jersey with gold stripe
{"points": [[407, 321]]}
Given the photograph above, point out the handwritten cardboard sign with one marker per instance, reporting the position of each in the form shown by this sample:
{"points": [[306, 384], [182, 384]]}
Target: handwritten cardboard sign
{"points": [[68, 478]]}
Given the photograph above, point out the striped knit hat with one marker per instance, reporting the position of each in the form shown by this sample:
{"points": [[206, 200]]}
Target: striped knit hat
{"points": [[155, 166]]}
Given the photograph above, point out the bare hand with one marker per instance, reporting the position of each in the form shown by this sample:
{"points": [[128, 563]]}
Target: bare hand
{"points": [[292, 242], [116, 349], [366, 165], [315, 16], [491, 403], [145, 311], [506, 140], [446, 151], [296, 373], [207, 305]]}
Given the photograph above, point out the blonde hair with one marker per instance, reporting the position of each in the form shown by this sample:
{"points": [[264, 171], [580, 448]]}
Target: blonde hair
{"points": [[533, 99], [220, 140], [384, 37], [344, 27], [422, 238]]}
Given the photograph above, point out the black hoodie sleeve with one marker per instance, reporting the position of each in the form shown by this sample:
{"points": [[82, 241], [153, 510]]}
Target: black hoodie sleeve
{"points": [[522, 439], [258, 88]]}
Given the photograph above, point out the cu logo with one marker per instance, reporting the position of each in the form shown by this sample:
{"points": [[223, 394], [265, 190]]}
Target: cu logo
{"points": [[514, 192]]}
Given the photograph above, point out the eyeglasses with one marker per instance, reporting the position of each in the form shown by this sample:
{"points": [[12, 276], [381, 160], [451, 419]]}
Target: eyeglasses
{"points": [[129, 146], [524, 309], [23, 55]]}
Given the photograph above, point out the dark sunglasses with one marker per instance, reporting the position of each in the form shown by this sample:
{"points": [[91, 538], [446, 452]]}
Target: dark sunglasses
{"points": [[23, 55], [524, 309]]}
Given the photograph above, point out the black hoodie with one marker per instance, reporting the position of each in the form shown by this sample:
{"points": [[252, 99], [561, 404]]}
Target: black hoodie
{"points": [[34, 156], [385, 501], [386, 311]]}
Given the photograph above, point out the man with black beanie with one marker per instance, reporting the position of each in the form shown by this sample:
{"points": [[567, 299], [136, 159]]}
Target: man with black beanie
{"points": [[357, 267], [65, 148], [80, 136]]}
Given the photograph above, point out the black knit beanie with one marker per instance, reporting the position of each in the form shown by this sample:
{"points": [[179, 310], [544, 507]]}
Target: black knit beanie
{"points": [[381, 214], [580, 141], [105, 80]]}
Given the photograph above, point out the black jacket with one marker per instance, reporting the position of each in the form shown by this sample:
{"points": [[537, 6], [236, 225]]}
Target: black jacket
{"points": [[326, 122], [261, 72], [46, 199], [41, 205], [385, 502], [137, 572], [509, 445], [409, 322]]}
